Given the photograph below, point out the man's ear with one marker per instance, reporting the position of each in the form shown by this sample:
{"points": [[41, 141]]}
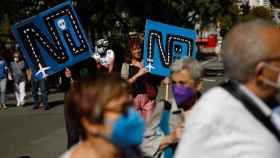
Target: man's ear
{"points": [[199, 85], [86, 124], [89, 127]]}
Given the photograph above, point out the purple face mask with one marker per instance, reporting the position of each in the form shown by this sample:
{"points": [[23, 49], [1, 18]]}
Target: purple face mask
{"points": [[182, 94]]}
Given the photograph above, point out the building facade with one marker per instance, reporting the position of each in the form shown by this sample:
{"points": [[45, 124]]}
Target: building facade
{"points": [[258, 3]]}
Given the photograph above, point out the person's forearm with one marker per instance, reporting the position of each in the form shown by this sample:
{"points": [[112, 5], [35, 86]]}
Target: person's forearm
{"points": [[110, 69], [165, 142], [133, 79]]}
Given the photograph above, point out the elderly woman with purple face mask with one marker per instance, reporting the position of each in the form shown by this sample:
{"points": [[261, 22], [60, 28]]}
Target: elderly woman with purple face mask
{"points": [[186, 83]]}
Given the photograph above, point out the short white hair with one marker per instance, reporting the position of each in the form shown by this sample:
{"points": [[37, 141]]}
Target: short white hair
{"points": [[189, 64], [243, 48]]}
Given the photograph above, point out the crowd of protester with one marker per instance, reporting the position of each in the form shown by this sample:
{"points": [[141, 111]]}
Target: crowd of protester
{"points": [[121, 115], [118, 115], [17, 78]]}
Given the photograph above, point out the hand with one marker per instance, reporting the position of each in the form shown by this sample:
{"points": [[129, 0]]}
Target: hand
{"points": [[67, 73], [29, 74], [97, 59], [10, 77], [28, 78], [166, 81], [177, 133], [167, 105], [172, 138], [142, 72]]}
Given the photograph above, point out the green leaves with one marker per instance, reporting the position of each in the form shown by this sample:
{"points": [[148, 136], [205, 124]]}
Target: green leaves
{"points": [[261, 12]]}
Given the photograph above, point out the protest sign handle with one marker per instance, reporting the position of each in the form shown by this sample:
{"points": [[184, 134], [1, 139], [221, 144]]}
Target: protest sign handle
{"points": [[166, 92]]}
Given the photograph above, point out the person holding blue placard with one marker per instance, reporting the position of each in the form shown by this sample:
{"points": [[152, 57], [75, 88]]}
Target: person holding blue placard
{"points": [[43, 86], [3, 82], [77, 73], [134, 72], [39, 87]]}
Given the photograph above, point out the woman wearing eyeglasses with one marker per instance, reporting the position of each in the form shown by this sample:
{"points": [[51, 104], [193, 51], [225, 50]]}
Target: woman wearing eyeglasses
{"points": [[111, 128]]}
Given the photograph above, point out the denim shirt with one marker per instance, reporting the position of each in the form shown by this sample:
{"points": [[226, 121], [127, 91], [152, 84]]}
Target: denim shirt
{"points": [[18, 71]]}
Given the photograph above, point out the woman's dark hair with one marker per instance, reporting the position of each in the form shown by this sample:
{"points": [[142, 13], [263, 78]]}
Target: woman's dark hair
{"points": [[89, 98], [133, 43]]}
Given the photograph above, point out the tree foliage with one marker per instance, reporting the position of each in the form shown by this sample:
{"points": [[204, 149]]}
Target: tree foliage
{"points": [[118, 17], [261, 12]]}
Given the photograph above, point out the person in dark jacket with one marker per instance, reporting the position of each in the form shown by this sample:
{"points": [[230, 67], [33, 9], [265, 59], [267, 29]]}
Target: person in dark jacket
{"points": [[76, 73]]}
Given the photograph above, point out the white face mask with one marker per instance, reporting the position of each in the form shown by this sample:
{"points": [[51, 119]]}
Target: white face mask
{"points": [[275, 112], [101, 50], [272, 83], [15, 59]]}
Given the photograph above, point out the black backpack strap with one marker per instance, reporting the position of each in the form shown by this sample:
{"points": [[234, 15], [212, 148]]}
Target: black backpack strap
{"points": [[250, 105]]}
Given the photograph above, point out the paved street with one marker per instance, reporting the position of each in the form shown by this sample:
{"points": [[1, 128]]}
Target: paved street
{"points": [[41, 134], [38, 134]]}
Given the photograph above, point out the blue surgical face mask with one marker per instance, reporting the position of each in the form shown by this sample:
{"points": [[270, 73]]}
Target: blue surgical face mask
{"points": [[128, 129]]}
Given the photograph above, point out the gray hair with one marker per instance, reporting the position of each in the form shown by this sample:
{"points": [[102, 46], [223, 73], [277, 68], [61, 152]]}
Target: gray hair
{"points": [[193, 66], [244, 47]]}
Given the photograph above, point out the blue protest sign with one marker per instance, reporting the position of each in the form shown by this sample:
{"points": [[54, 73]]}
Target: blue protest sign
{"points": [[163, 44], [52, 40]]}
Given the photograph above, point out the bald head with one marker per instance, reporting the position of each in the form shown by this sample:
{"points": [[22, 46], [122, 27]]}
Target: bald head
{"points": [[246, 45]]}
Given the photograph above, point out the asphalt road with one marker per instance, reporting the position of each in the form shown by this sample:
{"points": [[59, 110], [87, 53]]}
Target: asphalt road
{"points": [[38, 134], [41, 134]]}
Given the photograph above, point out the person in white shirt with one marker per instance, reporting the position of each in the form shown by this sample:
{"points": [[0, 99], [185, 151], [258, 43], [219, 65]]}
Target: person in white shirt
{"points": [[221, 124], [104, 57]]}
